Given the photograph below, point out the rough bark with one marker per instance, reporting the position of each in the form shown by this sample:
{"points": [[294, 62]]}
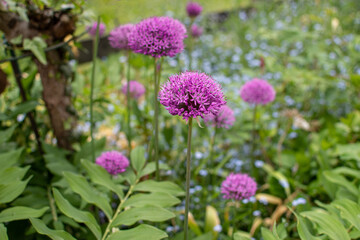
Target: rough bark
{"points": [[55, 26]]}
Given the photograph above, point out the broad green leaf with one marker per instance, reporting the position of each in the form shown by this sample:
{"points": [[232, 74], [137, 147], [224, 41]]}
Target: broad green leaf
{"points": [[349, 151], [3, 232], [138, 159], [148, 213], [342, 181], [23, 108], [157, 198], [211, 220], [8, 192], [41, 228], [347, 171], [349, 210], [101, 177], [142, 231], [6, 134], [80, 185], [76, 214], [327, 224], [303, 230], [206, 236], [268, 235], [37, 46], [9, 159], [58, 164], [153, 186], [151, 167], [12, 174], [17, 213], [242, 236]]}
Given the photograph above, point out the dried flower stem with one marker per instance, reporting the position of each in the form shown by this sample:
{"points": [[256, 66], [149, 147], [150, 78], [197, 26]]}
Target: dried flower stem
{"points": [[95, 50], [188, 174]]}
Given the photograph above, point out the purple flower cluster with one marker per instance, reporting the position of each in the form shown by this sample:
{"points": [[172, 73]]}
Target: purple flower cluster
{"points": [[225, 118], [193, 9], [113, 162], [158, 37], [118, 38], [196, 31], [238, 186], [136, 89], [191, 94], [257, 91], [92, 29]]}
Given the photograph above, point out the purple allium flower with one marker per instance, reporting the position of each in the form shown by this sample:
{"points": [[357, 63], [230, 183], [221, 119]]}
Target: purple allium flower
{"points": [[92, 29], [196, 31], [118, 37], [158, 37], [257, 91], [136, 89], [113, 162], [191, 94], [238, 186], [193, 9], [225, 118]]}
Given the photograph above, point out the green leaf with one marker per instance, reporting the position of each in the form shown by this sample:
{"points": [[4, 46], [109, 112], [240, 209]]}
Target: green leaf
{"points": [[17, 213], [268, 235], [151, 167], [41, 228], [211, 220], [342, 181], [349, 210], [76, 214], [80, 185], [23, 108], [9, 159], [148, 213], [153, 186], [157, 198], [142, 231], [242, 236], [327, 224], [6, 134], [3, 232], [303, 230], [36, 46], [12, 174], [101, 177], [205, 236], [8, 192], [138, 158]]}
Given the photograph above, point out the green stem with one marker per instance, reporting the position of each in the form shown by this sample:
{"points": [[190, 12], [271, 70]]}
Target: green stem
{"points": [[95, 50], [191, 40], [254, 169], [118, 210], [188, 174], [156, 121], [128, 101], [212, 143], [52, 205], [234, 222]]}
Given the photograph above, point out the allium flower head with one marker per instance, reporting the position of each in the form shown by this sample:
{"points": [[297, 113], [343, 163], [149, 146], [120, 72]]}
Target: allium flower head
{"points": [[118, 37], [113, 162], [257, 91], [158, 37], [191, 94], [193, 9], [92, 29], [225, 118], [196, 31], [238, 186], [136, 89]]}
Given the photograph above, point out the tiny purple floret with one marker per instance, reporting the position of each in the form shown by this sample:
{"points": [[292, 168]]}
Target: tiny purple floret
{"points": [[136, 89], [193, 9], [113, 162], [257, 91], [92, 29], [158, 37], [118, 37], [196, 31], [238, 186], [225, 118], [191, 94]]}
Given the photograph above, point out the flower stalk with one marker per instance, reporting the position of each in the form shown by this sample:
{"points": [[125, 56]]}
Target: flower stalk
{"points": [[188, 175], [128, 101]]}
